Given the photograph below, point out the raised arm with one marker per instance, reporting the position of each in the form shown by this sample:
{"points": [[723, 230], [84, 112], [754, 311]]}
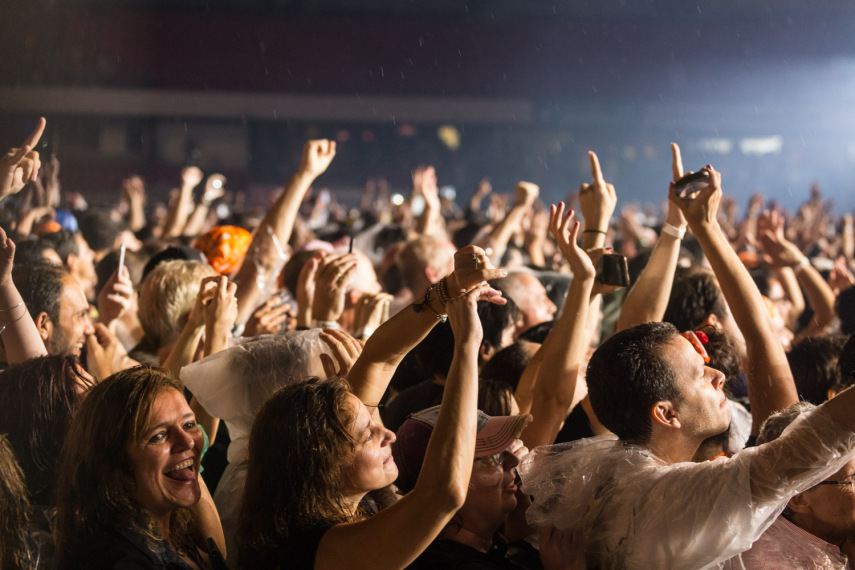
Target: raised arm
{"points": [[372, 372], [647, 300], [524, 197], [780, 252], [20, 336], [20, 165], [770, 382], [411, 524], [430, 222], [266, 253], [179, 210], [567, 342], [597, 202], [214, 189]]}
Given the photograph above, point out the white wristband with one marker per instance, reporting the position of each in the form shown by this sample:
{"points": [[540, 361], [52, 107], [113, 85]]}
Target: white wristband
{"points": [[803, 262], [673, 230]]}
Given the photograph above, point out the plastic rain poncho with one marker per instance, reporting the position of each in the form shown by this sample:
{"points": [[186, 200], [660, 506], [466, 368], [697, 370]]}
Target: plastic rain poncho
{"points": [[636, 511], [233, 385]]}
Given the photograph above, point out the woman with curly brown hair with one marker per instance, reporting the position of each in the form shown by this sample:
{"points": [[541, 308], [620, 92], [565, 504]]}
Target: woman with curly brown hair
{"points": [[316, 449], [129, 492]]}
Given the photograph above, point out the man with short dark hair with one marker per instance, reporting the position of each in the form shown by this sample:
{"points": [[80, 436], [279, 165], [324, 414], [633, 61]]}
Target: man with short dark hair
{"points": [[57, 304], [638, 500]]}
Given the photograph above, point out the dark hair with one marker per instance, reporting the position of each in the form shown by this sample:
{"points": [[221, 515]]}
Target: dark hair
{"points": [[813, 361], [95, 491], [30, 251], [507, 365], [430, 358], [64, 242], [844, 306], [40, 284], [846, 365], [627, 376], [104, 269], [694, 296], [494, 398], [538, 333], [723, 354], [495, 319], [15, 549], [298, 448], [39, 397], [99, 229]]}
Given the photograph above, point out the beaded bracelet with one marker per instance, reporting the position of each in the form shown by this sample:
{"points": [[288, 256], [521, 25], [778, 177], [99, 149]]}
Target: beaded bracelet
{"points": [[418, 307]]}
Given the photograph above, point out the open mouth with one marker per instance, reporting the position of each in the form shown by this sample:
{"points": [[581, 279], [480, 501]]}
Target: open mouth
{"points": [[182, 472]]}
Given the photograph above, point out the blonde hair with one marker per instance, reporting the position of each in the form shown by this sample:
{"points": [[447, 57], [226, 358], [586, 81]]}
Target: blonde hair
{"points": [[167, 295]]}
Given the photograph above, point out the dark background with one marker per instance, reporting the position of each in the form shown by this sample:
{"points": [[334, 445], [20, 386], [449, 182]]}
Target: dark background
{"points": [[529, 86]]}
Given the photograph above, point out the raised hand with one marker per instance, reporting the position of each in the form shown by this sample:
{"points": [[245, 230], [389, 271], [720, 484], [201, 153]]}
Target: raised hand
{"points": [[7, 255], [463, 315], [21, 165], [702, 207], [472, 266], [115, 297], [101, 347], [306, 283], [345, 350], [317, 156], [526, 193], [333, 275], [268, 318], [565, 235], [215, 188], [191, 176], [372, 310], [597, 201], [221, 307], [777, 250], [675, 216]]}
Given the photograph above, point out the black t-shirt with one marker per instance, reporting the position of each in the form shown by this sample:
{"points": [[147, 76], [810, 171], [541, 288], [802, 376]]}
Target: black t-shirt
{"points": [[127, 550], [451, 555]]}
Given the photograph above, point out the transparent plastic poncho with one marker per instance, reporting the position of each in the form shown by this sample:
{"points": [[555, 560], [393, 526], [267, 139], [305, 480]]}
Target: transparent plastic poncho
{"points": [[636, 511], [233, 385]]}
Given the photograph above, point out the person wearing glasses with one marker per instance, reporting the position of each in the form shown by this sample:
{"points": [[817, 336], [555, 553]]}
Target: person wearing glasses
{"points": [[317, 448], [470, 537], [817, 529], [638, 499]]}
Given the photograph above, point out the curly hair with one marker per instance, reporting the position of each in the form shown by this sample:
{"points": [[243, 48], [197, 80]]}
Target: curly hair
{"points": [[95, 491], [14, 512], [296, 479]]}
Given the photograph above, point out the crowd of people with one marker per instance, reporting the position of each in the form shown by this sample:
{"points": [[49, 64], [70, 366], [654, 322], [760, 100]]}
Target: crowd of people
{"points": [[503, 384]]}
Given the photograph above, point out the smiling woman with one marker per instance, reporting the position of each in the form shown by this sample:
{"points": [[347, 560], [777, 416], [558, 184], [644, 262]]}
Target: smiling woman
{"points": [[130, 492]]}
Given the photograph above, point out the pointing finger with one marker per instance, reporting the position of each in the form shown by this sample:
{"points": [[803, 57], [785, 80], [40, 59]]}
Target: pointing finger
{"points": [[676, 162], [34, 137], [596, 171]]}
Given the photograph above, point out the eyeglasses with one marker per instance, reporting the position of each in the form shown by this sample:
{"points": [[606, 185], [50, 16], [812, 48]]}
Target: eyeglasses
{"points": [[497, 459], [848, 482]]}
